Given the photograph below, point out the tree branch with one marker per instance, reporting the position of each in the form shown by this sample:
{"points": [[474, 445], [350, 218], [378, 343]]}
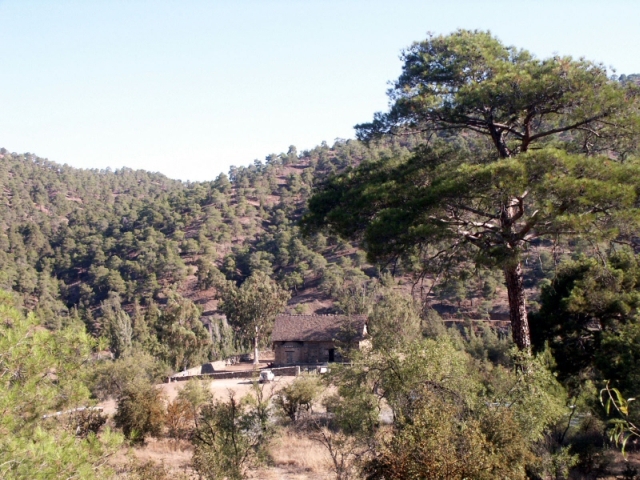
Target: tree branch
{"points": [[568, 127]]}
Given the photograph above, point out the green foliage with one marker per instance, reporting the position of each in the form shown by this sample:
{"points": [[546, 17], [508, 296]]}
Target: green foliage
{"points": [[622, 428], [112, 378], [487, 344], [354, 411], [446, 412], [394, 320], [252, 307], [183, 411], [183, 340], [141, 411], [447, 81], [46, 455], [442, 440], [452, 289], [229, 439], [119, 328], [519, 149], [619, 356], [297, 398], [196, 393], [356, 292], [588, 319], [208, 275], [44, 372]]}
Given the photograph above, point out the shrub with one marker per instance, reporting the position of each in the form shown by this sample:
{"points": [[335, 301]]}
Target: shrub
{"points": [[442, 437], [184, 410], [85, 422], [180, 419], [140, 411], [298, 397], [229, 439], [196, 393], [111, 378]]}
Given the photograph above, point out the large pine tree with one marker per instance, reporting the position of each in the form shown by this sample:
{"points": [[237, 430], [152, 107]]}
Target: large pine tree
{"points": [[516, 149]]}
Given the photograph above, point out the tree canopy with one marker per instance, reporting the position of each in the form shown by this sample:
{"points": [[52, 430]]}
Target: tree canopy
{"points": [[252, 307], [45, 372], [514, 149], [588, 318]]}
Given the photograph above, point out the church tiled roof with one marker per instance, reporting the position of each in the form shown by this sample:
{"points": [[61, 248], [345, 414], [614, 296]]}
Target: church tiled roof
{"points": [[317, 328]]}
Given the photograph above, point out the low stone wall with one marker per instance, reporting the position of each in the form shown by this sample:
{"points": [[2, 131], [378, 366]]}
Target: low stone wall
{"points": [[205, 368], [278, 372], [285, 371]]}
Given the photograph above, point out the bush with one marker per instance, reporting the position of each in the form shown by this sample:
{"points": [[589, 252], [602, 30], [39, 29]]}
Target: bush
{"points": [[140, 411], [111, 378], [443, 412], [184, 410], [442, 437], [298, 397], [395, 320], [229, 439], [180, 419], [85, 422], [196, 393]]}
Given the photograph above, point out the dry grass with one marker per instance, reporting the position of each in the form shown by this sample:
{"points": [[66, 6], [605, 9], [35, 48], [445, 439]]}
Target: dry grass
{"points": [[220, 388], [173, 455], [296, 457]]}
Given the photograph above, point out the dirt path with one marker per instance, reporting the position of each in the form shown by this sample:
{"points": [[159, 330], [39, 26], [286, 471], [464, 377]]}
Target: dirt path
{"points": [[219, 388]]}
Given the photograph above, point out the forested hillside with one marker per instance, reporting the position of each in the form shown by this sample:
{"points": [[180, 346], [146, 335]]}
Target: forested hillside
{"points": [[97, 244], [497, 187]]}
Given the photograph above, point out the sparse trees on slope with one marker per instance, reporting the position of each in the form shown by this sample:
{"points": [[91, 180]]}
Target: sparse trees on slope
{"points": [[517, 149], [252, 307]]}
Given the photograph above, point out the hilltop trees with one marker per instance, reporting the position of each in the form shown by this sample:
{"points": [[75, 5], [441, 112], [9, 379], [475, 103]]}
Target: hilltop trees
{"points": [[515, 149], [252, 307], [112, 248]]}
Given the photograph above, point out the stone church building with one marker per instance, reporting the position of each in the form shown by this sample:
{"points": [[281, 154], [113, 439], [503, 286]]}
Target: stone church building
{"points": [[311, 339]]}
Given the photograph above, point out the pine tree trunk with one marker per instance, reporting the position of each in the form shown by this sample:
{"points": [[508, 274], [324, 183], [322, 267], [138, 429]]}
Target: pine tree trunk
{"points": [[256, 360], [517, 306]]}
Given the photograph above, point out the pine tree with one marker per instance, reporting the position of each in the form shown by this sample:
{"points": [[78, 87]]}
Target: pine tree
{"points": [[513, 149]]}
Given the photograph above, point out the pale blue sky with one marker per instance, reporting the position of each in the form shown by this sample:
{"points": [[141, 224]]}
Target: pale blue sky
{"points": [[189, 88]]}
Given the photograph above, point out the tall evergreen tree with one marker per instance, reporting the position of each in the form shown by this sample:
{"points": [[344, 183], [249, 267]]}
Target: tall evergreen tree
{"points": [[515, 149], [183, 339]]}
